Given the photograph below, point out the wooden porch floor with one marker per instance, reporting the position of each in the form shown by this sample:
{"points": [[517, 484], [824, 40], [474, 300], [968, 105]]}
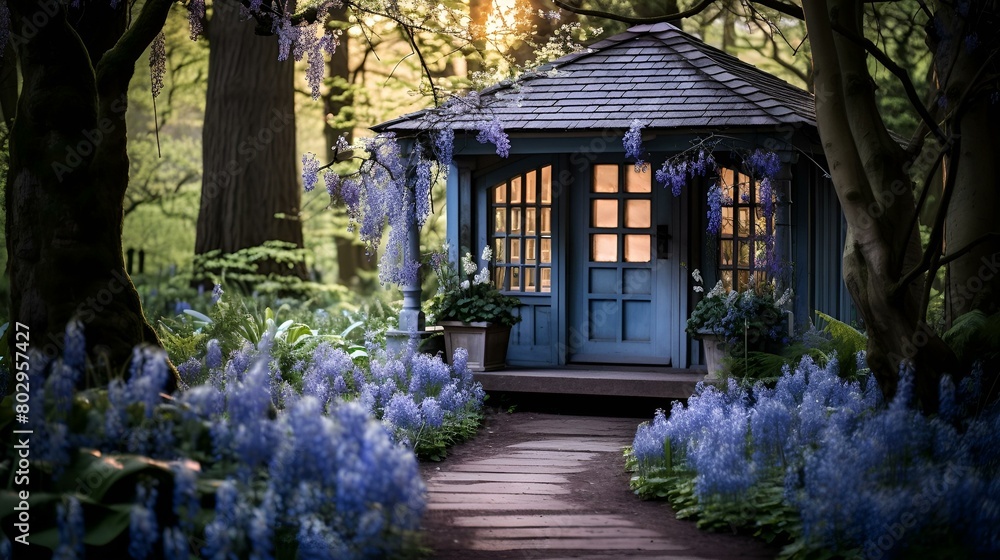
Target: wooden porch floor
{"points": [[617, 381]]}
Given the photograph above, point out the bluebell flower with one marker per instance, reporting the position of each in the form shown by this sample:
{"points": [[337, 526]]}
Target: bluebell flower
{"points": [[69, 520], [180, 307], [217, 293], [402, 412], [143, 529], [213, 355], [189, 370], [186, 500], [175, 544], [432, 413], [75, 351]]}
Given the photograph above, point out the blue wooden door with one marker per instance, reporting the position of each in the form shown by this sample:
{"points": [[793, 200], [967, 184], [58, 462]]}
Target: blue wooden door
{"points": [[618, 271]]}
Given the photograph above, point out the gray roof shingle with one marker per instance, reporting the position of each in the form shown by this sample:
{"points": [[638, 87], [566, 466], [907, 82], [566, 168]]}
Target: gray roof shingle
{"points": [[657, 73]]}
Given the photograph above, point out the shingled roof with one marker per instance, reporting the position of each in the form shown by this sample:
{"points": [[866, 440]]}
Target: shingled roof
{"points": [[655, 73]]}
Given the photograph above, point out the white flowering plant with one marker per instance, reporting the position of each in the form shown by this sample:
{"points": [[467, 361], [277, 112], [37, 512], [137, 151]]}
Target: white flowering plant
{"points": [[465, 293], [754, 317]]}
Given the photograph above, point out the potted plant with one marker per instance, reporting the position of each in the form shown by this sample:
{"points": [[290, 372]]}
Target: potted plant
{"points": [[734, 323], [472, 312]]}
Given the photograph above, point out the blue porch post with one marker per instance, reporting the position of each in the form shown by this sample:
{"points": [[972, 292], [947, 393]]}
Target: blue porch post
{"points": [[411, 317]]}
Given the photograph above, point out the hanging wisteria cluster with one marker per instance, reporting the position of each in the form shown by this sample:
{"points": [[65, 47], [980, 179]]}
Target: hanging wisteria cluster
{"points": [[302, 37], [678, 172]]}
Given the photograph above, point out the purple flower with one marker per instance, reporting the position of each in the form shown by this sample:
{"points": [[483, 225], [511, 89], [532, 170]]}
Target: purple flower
{"points": [[69, 518], [402, 412], [175, 544], [310, 171], [633, 144], [493, 132], [157, 63], [423, 191], [714, 209], [196, 15], [444, 145], [763, 164], [217, 293], [143, 529]]}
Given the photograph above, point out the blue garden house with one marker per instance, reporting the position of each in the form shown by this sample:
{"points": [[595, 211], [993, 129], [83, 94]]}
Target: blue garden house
{"points": [[600, 254]]}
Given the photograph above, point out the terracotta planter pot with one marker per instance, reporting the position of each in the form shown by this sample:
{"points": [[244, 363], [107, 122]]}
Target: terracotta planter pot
{"points": [[485, 342], [715, 351]]}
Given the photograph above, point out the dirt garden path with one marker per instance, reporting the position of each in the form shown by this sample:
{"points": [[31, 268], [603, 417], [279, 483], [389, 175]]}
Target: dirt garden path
{"points": [[548, 486]]}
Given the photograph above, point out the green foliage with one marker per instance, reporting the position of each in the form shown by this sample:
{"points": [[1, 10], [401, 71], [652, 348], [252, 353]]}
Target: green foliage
{"points": [[975, 336], [433, 445], [468, 295], [761, 512]]}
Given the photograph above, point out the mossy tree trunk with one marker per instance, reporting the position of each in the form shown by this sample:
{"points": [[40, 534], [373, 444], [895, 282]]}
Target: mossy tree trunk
{"points": [[68, 174]]}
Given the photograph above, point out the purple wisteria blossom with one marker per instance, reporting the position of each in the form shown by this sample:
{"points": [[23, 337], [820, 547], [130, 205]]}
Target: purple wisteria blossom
{"points": [[196, 17], [422, 193], [492, 132], [763, 163], [444, 146], [676, 171], [632, 142], [310, 171], [157, 62], [714, 209]]}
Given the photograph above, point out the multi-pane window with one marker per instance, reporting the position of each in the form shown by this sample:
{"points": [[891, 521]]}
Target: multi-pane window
{"points": [[621, 214], [521, 210], [746, 232]]}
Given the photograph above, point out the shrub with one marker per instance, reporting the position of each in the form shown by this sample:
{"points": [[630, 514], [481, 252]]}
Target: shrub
{"points": [[243, 465], [823, 464]]}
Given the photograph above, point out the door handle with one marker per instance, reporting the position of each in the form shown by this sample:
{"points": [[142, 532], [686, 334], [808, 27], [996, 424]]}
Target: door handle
{"points": [[663, 241]]}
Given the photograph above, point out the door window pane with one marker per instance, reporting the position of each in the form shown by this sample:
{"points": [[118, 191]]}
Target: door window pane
{"points": [[530, 188], [515, 250], [546, 255], [499, 254], [529, 221], [604, 247], [545, 279], [529, 279], [515, 190], [637, 181], [546, 225], [515, 220], [605, 178], [604, 213], [500, 194], [529, 251], [500, 220], [637, 248], [515, 279], [547, 184], [638, 213]]}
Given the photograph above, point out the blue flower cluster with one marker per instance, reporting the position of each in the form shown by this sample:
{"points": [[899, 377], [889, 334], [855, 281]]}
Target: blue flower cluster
{"points": [[492, 131], [311, 467], [865, 477], [677, 171], [632, 141]]}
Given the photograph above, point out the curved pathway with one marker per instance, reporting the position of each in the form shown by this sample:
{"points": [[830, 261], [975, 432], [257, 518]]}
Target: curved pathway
{"points": [[547, 486]]}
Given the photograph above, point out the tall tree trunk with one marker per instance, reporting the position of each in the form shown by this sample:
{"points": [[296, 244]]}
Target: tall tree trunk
{"points": [[67, 179], [869, 173], [248, 143], [964, 47]]}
